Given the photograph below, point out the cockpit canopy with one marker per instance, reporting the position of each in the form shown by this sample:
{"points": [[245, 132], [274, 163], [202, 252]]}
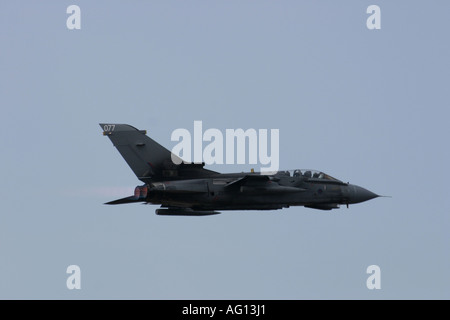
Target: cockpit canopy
{"points": [[307, 173]]}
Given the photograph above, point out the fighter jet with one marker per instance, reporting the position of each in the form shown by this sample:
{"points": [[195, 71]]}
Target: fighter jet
{"points": [[188, 189]]}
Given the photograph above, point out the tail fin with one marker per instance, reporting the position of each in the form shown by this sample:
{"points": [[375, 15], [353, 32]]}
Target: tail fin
{"points": [[146, 157]]}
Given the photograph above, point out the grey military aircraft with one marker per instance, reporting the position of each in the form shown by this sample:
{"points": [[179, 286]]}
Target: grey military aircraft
{"points": [[188, 189]]}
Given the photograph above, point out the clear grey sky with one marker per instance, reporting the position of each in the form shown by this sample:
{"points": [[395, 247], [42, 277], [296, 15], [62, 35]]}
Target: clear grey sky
{"points": [[366, 106]]}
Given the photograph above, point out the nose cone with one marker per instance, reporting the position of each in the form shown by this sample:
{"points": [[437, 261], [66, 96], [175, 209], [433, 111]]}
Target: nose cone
{"points": [[359, 194]]}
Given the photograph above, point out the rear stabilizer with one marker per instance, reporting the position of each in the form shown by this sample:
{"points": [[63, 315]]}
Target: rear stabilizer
{"points": [[131, 199], [145, 156]]}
